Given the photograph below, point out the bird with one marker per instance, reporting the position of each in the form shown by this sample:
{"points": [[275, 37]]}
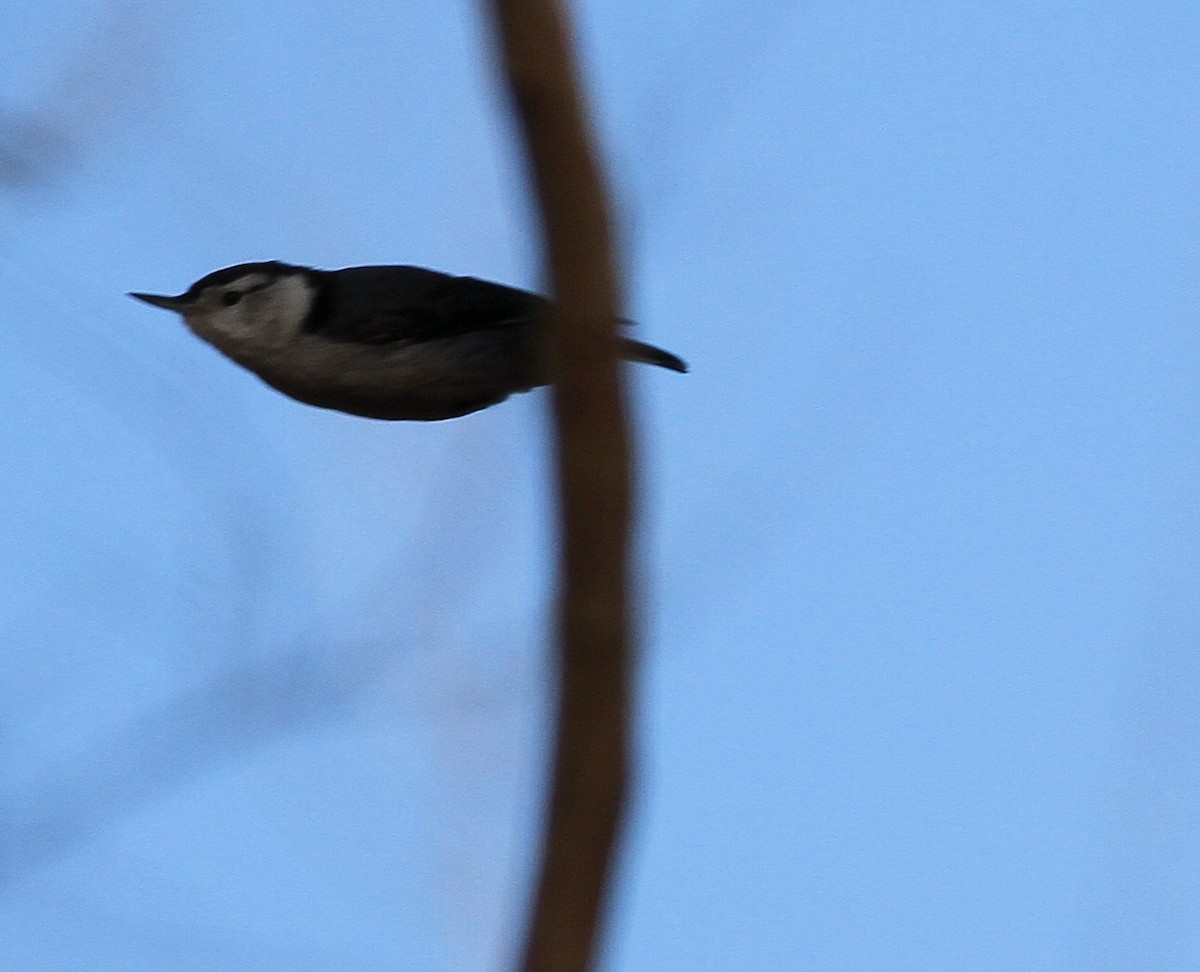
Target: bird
{"points": [[382, 342]]}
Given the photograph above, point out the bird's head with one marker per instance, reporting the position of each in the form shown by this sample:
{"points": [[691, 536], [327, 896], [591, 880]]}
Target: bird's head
{"points": [[251, 305]]}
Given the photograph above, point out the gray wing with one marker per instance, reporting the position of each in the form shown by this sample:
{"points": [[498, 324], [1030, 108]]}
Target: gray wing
{"points": [[380, 305]]}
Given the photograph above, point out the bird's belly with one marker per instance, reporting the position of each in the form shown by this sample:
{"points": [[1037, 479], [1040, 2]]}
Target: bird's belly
{"points": [[423, 381]]}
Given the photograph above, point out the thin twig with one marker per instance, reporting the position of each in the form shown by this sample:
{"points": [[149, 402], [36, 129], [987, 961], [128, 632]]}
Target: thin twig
{"points": [[591, 759]]}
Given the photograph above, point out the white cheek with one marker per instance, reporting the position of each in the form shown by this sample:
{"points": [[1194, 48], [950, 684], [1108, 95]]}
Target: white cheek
{"points": [[227, 327], [263, 322], [291, 300]]}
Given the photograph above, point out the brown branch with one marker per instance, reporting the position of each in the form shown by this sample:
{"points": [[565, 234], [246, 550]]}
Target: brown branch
{"points": [[591, 759]]}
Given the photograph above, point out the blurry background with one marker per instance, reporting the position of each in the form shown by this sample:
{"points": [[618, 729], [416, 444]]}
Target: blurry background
{"points": [[921, 682]]}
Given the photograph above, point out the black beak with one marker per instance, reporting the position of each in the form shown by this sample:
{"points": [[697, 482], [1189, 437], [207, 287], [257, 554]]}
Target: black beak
{"points": [[166, 303]]}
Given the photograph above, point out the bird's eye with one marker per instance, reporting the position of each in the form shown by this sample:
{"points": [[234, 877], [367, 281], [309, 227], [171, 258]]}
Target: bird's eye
{"points": [[231, 297]]}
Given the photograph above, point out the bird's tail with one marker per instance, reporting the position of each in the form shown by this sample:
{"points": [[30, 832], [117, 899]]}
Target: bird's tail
{"points": [[648, 354]]}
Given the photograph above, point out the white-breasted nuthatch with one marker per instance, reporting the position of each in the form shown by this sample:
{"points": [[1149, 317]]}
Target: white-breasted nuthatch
{"points": [[389, 342]]}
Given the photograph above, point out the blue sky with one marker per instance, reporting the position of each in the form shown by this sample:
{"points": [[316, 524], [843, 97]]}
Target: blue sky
{"points": [[919, 531]]}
